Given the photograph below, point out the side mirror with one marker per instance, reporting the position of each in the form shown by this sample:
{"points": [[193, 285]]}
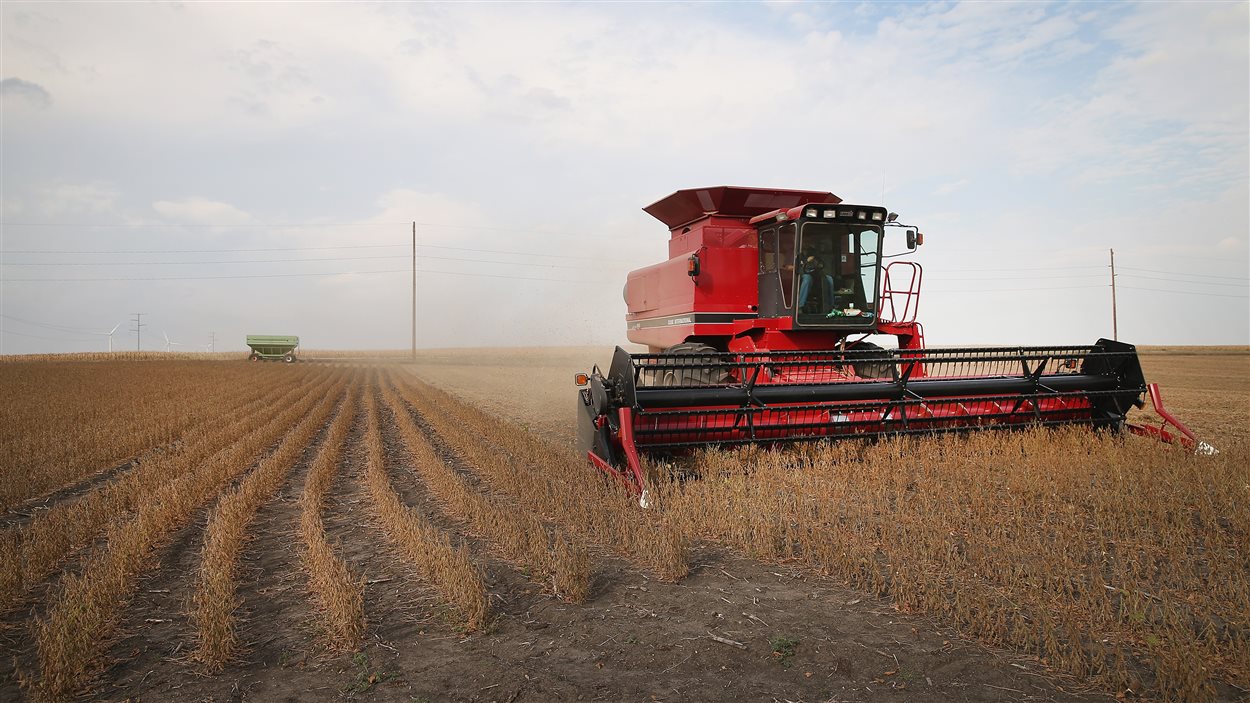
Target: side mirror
{"points": [[911, 240]]}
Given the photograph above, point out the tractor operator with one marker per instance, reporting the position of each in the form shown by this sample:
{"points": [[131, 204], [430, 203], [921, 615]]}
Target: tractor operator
{"points": [[813, 266]]}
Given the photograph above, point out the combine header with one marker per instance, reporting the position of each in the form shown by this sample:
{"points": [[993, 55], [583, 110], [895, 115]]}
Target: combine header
{"points": [[756, 326]]}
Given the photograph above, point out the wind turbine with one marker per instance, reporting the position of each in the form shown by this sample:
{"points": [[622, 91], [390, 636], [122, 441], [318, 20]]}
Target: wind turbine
{"points": [[168, 343], [110, 334]]}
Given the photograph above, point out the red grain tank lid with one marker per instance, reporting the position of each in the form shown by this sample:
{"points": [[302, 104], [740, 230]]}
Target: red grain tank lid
{"points": [[685, 206]]}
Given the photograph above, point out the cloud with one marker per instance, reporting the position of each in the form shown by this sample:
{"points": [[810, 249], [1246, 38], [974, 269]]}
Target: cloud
{"points": [[1035, 129], [951, 187], [1158, 114], [30, 93], [201, 211], [66, 200]]}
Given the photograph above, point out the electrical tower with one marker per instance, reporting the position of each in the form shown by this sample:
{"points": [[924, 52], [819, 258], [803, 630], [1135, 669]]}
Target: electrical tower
{"points": [[139, 324]]}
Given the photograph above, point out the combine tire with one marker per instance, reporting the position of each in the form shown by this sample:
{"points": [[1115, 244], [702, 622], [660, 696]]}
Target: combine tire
{"points": [[871, 369], [699, 376]]}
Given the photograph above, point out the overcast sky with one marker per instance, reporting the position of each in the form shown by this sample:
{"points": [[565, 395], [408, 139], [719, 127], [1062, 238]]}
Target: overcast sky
{"points": [[148, 147]]}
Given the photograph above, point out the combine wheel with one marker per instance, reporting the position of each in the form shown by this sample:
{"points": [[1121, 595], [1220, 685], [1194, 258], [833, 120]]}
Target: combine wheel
{"points": [[871, 369], [695, 376]]}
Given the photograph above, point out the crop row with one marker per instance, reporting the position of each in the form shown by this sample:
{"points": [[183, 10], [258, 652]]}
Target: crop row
{"points": [[214, 601], [80, 617], [339, 594], [553, 560], [1115, 560], [447, 567], [67, 421], [549, 482], [32, 551]]}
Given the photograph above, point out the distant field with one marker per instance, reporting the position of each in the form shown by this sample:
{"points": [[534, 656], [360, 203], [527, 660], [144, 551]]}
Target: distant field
{"points": [[182, 530], [1235, 349]]}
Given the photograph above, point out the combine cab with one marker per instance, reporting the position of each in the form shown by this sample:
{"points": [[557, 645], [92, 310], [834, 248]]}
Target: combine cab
{"points": [[756, 327]]}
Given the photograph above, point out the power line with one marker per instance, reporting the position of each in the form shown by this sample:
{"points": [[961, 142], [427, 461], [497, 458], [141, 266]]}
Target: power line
{"points": [[51, 339], [1016, 278], [1033, 268], [1188, 292], [1182, 273], [287, 275], [171, 225], [58, 328], [999, 290], [1181, 280], [519, 253], [277, 249], [198, 251], [283, 261], [304, 225]]}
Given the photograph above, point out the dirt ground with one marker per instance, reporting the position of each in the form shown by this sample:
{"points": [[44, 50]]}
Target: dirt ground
{"points": [[713, 636]]}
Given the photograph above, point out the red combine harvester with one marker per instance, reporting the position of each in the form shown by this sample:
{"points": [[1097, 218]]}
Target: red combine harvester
{"points": [[757, 328]]}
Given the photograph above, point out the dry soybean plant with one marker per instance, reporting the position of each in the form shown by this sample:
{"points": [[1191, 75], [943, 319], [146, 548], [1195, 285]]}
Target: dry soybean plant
{"points": [[214, 601], [53, 438], [1115, 559], [554, 560], [339, 595], [447, 567], [551, 482], [32, 551], [82, 615]]}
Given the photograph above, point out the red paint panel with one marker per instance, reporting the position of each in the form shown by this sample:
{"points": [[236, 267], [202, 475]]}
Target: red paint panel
{"points": [[684, 206]]}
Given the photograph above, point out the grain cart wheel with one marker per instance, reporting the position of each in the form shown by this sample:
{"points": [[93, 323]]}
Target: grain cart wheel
{"points": [[697, 375], [289, 358], [254, 357], [871, 369]]}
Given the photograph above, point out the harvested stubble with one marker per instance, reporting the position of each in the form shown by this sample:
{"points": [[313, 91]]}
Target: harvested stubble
{"points": [[81, 617], [447, 567], [31, 552], [339, 595], [555, 561], [1113, 559], [215, 601], [104, 357], [551, 482], [53, 438]]}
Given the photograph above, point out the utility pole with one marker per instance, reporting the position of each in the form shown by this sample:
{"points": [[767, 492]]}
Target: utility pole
{"points": [[138, 328], [212, 342], [414, 291], [1115, 328]]}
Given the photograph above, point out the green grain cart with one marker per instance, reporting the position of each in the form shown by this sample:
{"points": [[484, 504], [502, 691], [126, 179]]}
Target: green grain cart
{"points": [[269, 347]]}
